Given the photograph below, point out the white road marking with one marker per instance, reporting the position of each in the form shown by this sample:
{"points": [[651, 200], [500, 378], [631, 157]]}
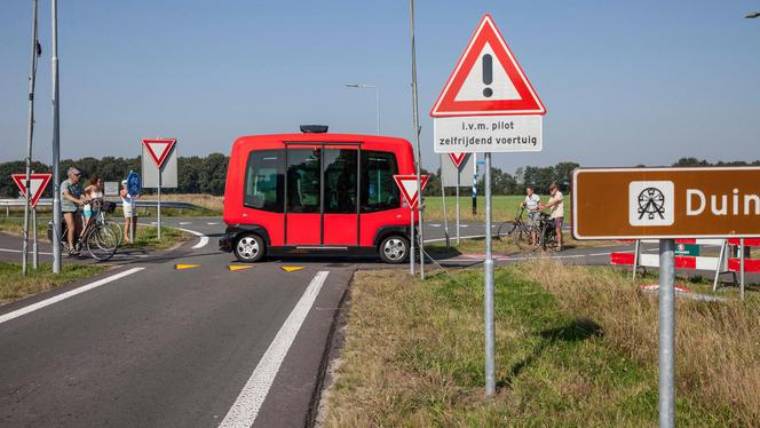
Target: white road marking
{"points": [[211, 223], [202, 242], [434, 225], [10, 250], [248, 403], [183, 223], [63, 296]]}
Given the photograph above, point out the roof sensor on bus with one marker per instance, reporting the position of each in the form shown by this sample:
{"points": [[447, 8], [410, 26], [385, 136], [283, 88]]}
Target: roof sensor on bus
{"points": [[314, 129]]}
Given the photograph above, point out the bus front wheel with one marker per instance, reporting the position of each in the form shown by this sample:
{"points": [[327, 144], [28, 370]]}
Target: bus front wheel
{"points": [[250, 248], [394, 249]]}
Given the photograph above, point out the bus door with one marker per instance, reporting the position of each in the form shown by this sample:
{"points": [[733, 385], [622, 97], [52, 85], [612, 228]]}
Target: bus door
{"points": [[303, 217], [340, 172]]}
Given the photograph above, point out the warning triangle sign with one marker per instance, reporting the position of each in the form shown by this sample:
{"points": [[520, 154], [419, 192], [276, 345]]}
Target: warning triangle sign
{"points": [[487, 80], [407, 183], [159, 149], [458, 159], [37, 182]]}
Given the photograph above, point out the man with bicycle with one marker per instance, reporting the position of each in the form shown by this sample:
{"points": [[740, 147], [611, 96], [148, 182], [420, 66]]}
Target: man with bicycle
{"points": [[531, 203], [557, 213], [71, 200]]}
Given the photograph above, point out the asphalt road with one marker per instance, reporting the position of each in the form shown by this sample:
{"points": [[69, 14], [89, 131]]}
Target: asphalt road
{"points": [[148, 344]]}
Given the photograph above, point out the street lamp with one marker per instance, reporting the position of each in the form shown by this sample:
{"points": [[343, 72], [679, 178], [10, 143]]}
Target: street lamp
{"points": [[377, 98], [752, 15]]}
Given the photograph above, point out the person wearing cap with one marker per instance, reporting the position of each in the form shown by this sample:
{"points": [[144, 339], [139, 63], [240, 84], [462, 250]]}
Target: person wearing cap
{"points": [[71, 200], [128, 208], [557, 213]]}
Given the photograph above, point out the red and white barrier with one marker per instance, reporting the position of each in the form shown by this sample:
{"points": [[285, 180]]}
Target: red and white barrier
{"points": [[721, 264]]}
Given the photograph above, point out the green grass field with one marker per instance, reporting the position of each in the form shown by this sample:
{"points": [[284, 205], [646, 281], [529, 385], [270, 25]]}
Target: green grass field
{"points": [[504, 208], [575, 346]]}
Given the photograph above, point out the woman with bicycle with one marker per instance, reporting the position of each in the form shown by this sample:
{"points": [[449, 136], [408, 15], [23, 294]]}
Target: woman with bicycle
{"points": [[93, 194], [531, 203]]}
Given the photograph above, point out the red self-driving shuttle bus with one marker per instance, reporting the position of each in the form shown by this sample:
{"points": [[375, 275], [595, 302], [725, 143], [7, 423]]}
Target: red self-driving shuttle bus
{"points": [[316, 192]]}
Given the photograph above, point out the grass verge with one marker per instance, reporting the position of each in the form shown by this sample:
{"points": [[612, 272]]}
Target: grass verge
{"points": [[14, 286], [147, 238], [576, 346]]}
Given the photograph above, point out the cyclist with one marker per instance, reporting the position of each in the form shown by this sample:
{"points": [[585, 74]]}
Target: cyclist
{"points": [[557, 212], [71, 200], [531, 202]]}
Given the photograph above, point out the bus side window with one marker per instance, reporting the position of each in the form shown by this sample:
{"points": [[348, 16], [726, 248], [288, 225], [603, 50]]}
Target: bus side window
{"points": [[265, 180], [379, 191]]}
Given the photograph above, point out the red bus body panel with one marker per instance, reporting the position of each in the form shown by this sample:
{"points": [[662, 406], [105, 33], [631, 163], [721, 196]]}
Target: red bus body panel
{"points": [[313, 229]]}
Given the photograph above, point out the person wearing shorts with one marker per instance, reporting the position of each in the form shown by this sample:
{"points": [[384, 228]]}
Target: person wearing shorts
{"points": [[130, 213], [531, 203], [557, 212], [71, 200]]}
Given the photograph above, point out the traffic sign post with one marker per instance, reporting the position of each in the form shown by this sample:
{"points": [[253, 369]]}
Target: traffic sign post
{"points": [[31, 186], [665, 204], [134, 188], [162, 155], [488, 105], [409, 186]]}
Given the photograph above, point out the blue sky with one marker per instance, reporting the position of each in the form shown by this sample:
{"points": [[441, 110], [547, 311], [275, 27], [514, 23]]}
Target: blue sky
{"points": [[624, 82]]}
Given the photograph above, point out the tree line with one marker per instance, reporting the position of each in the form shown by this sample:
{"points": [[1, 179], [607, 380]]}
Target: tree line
{"points": [[196, 174]]}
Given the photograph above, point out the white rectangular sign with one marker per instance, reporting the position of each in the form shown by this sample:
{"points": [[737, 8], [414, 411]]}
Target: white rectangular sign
{"points": [[111, 188], [480, 134]]}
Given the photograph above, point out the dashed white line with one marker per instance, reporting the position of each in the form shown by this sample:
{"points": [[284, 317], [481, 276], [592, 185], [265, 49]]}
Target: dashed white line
{"points": [[211, 223], [63, 296], [185, 223], [10, 250], [248, 403]]}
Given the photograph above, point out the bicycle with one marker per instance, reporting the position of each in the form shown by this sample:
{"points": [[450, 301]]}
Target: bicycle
{"points": [[547, 237], [100, 238], [519, 231]]}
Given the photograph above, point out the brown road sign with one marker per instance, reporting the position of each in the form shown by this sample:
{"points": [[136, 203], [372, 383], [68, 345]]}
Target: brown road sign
{"points": [[632, 203]]}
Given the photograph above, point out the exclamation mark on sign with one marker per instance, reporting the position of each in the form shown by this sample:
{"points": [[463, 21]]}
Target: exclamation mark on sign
{"points": [[487, 74]]}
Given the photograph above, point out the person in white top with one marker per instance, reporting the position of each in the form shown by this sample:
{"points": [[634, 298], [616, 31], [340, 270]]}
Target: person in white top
{"points": [[130, 213], [557, 213], [531, 203], [93, 194]]}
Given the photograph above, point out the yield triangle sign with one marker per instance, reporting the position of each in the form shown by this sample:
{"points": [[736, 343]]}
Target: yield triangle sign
{"points": [[159, 149], [487, 80], [407, 183], [37, 183], [458, 159]]}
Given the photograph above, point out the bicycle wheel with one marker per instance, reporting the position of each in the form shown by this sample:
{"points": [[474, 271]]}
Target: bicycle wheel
{"points": [[101, 242], [505, 229], [521, 236], [116, 228]]}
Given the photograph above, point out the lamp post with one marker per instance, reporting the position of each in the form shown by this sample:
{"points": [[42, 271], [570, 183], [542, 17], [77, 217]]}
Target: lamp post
{"points": [[377, 98]]}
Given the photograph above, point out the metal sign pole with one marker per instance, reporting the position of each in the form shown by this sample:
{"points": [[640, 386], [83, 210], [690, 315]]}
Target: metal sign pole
{"points": [[158, 208], [56, 146], [636, 252], [411, 241], [35, 250], [416, 127], [474, 184], [30, 138], [741, 268], [667, 334], [443, 202], [488, 267], [459, 174]]}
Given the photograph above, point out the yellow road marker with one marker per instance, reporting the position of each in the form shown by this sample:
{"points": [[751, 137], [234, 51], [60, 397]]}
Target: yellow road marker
{"points": [[183, 266], [291, 268], [235, 268]]}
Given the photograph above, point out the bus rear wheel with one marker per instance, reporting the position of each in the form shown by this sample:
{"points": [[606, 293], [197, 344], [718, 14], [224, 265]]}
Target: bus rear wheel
{"points": [[394, 249], [249, 248]]}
